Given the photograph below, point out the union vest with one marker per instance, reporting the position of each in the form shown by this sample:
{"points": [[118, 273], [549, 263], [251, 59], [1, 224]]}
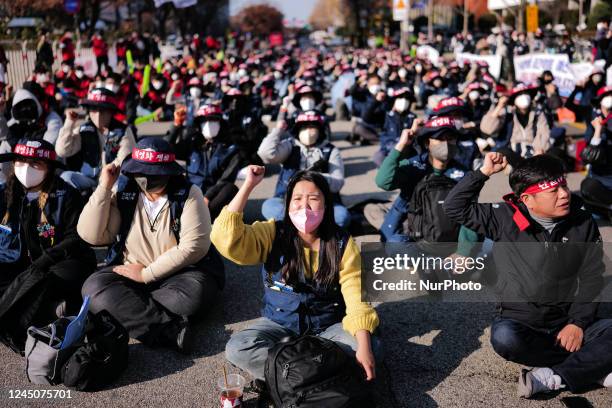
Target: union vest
{"points": [[205, 166], [49, 233], [89, 159], [309, 306], [178, 191], [292, 166], [507, 128]]}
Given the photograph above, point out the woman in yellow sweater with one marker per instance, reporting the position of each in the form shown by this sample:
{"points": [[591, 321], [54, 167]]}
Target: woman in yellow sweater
{"points": [[311, 274]]}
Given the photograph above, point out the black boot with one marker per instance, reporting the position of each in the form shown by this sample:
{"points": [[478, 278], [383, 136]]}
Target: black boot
{"points": [[178, 335]]}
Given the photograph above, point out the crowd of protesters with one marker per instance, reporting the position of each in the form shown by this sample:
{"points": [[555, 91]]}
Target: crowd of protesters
{"points": [[75, 174]]}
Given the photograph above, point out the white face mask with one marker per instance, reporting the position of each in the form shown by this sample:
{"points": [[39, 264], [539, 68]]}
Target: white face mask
{"points": [[402, 73], [174, 77], [278, 75], [401, 104], [29, 176], [99, 84], [157, 85], [242, 73], [307, 104], [79, 74], [308, 137], [65, 69], [112, 87], [474, 95], [195, 92], [607, 102], [374, 89], [522, 101], [42, 79], [210, 129]]}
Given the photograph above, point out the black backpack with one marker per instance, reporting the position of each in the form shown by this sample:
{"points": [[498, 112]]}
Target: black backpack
{"points": [[311, 371], [426, 219], [102, 356]]}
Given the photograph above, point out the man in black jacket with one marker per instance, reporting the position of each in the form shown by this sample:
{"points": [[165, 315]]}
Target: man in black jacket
{"points": [[549, 262]]}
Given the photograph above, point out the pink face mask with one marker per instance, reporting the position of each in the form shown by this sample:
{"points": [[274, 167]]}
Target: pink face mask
{"points": [[306, 220]]}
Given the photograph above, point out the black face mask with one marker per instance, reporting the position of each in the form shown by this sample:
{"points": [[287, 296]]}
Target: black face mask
{"points": [[151, 183]]}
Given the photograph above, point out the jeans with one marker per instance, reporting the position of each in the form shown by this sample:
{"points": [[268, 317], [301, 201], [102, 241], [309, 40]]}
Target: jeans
{"points": [[392, 228], [383, 151], [145, 309], [275, 208], [83, 183], [516, 342], [79, 181], [248, 349]]}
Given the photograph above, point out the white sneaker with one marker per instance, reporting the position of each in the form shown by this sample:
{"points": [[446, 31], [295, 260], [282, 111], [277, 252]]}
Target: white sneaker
{"points": [[538, 380]]}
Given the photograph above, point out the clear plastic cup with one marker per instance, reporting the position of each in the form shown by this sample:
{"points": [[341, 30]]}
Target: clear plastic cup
{"points": [[231, 394]]}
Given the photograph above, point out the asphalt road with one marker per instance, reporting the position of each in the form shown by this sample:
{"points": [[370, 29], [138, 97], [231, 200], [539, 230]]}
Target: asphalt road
{"points": [[436, 354]]}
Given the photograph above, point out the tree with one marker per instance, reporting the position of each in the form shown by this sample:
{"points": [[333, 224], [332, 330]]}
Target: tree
{"points": [[329, 13], [21, 7], [602, 10], [260, 19]]}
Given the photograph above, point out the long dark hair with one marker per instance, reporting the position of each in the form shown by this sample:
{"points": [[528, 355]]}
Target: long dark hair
{"points": [[15, 191], [292, 245]]}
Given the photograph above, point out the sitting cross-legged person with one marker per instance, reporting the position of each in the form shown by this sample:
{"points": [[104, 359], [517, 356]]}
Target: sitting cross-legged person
{"points": [[161, 269]]}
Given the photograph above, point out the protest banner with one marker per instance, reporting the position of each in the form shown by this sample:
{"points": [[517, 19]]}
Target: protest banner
{"points": [[581, 70], [494, 61], [528, 68]]}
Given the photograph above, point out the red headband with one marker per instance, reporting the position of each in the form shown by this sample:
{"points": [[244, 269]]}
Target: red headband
{"points": [[545, 185], [440, 121], [100, 97], [304, 117], [150, 156], [445, 103], [207, 110], [34, 152]]}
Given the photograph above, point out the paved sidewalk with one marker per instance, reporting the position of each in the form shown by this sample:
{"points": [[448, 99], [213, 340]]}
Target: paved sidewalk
{"points": [[437, 354]]}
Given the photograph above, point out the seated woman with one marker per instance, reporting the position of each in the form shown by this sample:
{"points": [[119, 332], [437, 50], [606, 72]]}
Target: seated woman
{"points": [[519, 127], [160, 269], [43, 261], [309, 263]]}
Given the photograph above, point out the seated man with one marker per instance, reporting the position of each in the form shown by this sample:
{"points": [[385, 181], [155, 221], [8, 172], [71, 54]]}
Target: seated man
{"points": [[404, 168], [88, 146], [308, 149], [213, 161], [397, 119], [370, 107], [547, 316], [160, 269]]}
